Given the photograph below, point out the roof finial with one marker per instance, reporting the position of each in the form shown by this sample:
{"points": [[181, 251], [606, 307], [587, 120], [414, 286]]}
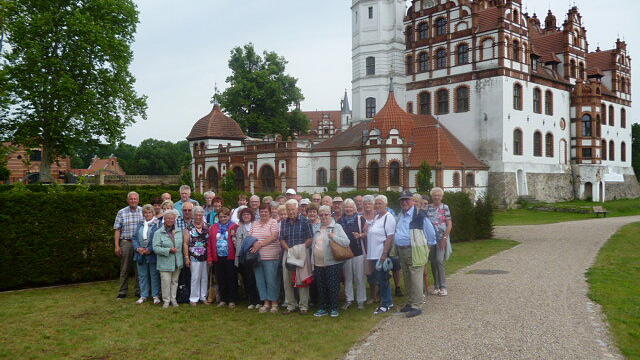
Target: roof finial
{"points": [[391, 84], [216, 93]]}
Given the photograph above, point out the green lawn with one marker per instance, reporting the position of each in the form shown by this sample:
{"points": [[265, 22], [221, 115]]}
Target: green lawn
{"points": [[86, 322], [616, 208], [615, 284]]}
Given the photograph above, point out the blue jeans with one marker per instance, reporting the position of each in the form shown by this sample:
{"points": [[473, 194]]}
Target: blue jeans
{"points": [[382, 279], [148, 274], [267, 280]]}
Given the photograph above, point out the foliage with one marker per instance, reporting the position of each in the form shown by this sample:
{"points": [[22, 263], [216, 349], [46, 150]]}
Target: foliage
{"points": [[298, 122], [65, 76], [5, 151], [332, 186], [260, 94], [423, 180], [186, 178], [635, 149], [615, 284], [483, 215], [462, 213], [229, 181]]}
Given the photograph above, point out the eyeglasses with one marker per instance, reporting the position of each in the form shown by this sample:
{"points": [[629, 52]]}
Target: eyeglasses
{"points": [[187, 210], [325, 214]]}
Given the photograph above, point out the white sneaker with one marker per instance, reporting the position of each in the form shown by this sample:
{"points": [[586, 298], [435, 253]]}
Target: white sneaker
{"points": [[174, 304], [165, 305], [156, 300], [141, 300], [443, 292], [251, 307], [434, 291]]}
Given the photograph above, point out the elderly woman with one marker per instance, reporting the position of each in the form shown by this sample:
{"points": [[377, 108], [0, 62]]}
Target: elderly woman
{"points": [[144, 257], [208, 201], [248, 276], [212, 218], [354, 226], [166, 205], [195, 246], [168, 244], [222, 255], [312, 214], [274, 210], [440, 216], [379, 243], [369, 214], [327, 269], [266, 231]]}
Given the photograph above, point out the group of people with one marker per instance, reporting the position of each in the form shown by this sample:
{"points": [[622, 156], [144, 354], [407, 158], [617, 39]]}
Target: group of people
{"points": [[283, 246]]}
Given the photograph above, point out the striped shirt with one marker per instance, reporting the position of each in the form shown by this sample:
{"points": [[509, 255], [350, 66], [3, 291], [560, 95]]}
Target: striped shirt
{"points": [[127, 222], [264, 231]]}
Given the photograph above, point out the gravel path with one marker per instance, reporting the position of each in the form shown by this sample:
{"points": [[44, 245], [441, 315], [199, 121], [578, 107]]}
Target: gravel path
{"points": [[538, 310]]}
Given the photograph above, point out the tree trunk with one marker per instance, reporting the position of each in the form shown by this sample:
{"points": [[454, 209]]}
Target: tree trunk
{"points": [[45, 166]]}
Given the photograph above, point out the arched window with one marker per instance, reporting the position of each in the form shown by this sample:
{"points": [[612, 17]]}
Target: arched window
{"points": [[371, 65], [573, 68], [548, 145], [346, 177], [456, 179], [537, 143], [441, 59], [623, 118], [212, 178], [516, 50], [463, 54], [470, 180], [321, 177], [423, 31], [374, 174], [603, 150], [409, 65], [370, 107], [537, 101], [423, 62], [517, 97], [410, 107], [515, 16], [441, 26], [408, 33], [612, 116], [548, 102], [581, 71], [424, 101], [487, 49], [623, 152], [394, 173], [442, 98], [239, 173], [603, 112], [517, 142], [267, 179], [612, 151], [462, 99], [587, 125]]}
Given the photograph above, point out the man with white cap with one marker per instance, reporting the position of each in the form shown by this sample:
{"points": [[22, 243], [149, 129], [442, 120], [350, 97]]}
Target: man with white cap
{"points": [[336, 208], [304, 205], [290, 194]]}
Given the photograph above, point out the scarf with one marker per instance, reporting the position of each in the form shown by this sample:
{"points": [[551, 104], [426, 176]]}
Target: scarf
{"points": [[224, 227], [145, 228]]}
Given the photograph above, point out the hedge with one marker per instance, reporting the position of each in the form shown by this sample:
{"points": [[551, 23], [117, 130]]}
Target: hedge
{"points": [[58, 237]]}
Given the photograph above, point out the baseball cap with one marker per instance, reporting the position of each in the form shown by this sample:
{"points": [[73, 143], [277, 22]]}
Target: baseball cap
{"points": [[291, 192]]}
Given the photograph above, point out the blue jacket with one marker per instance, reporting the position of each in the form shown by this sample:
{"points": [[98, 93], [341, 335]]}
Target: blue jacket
{"points": [[247, 244], [137, 240]]}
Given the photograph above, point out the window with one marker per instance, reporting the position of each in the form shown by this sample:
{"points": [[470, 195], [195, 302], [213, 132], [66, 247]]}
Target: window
{"points": [[424, 101], [623, 118], [409, 35], [456, 179], [612, 151], [548, 102], [537, 144], [603, 150], [35, 155], [441, 59], [548, 145], [603, 111], [442, 97], [573, 68], [394, 173], [623, 152], [534, 64], [612, 116], [371, 65], [423, 62], [470, 180], [423, 31], [441, 26], [462, 99], [370, 104], [516, 50], [487, 49], [409, 65], [517, 142], [374, 173], [587, 125], [370, 12], [463, 54], [515, 16], [581, 71], [410, 107], [321, 177], [346, 177], [537, 101], [517, 97], [587, 153]]}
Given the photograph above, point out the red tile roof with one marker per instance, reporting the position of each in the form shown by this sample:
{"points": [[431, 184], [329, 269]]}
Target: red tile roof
{"points": [[216, 125], [548, 45], [601, 60], [488, 19], [317, 116], [391, 116]]}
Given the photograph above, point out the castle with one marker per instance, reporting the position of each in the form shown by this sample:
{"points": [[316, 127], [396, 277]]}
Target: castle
{"points": [[486, 94]]}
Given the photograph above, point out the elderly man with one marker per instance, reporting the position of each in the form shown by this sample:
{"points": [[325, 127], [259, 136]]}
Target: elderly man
{"points": [[304, 206], [126, 223], [185, 197], [165, 197], [290, 194], [316, 198], [187, 218], [413, 232], [336, 208], [359, 200], [327, 200], [254, 204], [294, 230]]}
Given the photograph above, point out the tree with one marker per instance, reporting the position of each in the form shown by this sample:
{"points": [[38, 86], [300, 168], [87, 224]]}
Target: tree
{"points": [[635, 149], [260, 94], [297, 122], [64, 74], [229, 181], [5, 151], [423, 183]]}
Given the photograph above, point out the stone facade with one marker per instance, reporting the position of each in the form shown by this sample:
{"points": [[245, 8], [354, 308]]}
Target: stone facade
{"points": [[629, 189], [550, 187]]}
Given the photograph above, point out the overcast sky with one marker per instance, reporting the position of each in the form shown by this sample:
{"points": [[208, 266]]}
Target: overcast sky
{"points": [[182, 49]]}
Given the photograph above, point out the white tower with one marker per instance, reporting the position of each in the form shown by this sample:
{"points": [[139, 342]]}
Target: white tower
{"points": [[377, 54]]}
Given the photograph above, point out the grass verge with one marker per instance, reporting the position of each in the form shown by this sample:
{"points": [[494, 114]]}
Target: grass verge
{"points": [[86, 322], [615, 284]]}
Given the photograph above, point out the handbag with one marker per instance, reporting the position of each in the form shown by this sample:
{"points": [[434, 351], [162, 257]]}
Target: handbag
{"points": [[340, 253]]}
